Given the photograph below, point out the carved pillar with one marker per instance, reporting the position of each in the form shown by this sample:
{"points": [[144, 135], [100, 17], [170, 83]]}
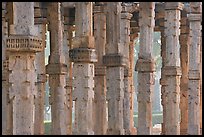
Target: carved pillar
{"points": [[163, 79], [201, 85], [195, 18], [132, 88], [22, 45], [184, 54], [66, 47], [83, 55], [172, 67], [57, 70], [100, 120], [115, 62], [6, 102], [40, 23], [146, 67], [125, 40]]}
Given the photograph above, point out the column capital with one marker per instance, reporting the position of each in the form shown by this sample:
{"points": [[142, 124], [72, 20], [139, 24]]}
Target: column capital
{"points": [[112, 60], [174, 6], [56, 68], [172, 71]]}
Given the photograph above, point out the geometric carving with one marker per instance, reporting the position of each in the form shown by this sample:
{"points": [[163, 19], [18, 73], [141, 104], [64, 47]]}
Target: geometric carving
{"points": [[113, 60], [24, 43], [83, 55]]}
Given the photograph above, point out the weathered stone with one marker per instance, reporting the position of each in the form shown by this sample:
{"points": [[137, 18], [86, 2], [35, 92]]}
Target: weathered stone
{"points": [[145, 66], [172, 67], [83, 94], [113, 60], [194, 70], [57, 70], [100, 119]]}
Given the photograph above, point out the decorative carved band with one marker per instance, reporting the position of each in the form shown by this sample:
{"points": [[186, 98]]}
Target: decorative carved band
{"points": [[112, 60], [57, 68], [143, 65], [24, 43], [194, 74], [174, 6], [194, 17], [83, 55], [100, 71], [98, 9], [172, 71]]}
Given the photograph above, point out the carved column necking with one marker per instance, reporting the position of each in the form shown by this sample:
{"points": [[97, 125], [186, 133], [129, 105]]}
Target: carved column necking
{"points": [[22, 44], [57, 70], [100, 120], [172, 68], [114, 61], [195, 18], [146, 67], [83, 55]]}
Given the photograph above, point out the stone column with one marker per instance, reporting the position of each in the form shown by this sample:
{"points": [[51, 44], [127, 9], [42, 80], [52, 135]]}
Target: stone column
{"points": [[146, 67], [83, 55], [7, 125], [57, 70], [115, 61], [66, 48], [172, 67], [201, 85], [184, 54], [100, 120], [163, 79], [132, 88], [195, 18], [40, 23], [125, 40], [22, 44]]}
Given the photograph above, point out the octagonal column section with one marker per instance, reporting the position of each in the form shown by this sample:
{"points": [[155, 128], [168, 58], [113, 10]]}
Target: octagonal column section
{"points": [[100, 120], [83, 55], [57, 70], [146, 67], [195, 18], [172, 67], [22, 45], [114, 61]]}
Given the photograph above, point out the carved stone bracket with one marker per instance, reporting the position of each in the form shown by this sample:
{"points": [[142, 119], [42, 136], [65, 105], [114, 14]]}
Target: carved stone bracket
{"points": [[83, 55], [113, 60], [57, 68], [145, 65], [24, 43]]}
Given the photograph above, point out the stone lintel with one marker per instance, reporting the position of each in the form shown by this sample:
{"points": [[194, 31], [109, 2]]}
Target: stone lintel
{"points": [[194, 17], [174, 6], [172, 71], [56, 69], [24, 43], [100, 71], [42, 78], [114, 60], [193, 75], [127, 72], [83, 41], [144, 65], [83, 55]]}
